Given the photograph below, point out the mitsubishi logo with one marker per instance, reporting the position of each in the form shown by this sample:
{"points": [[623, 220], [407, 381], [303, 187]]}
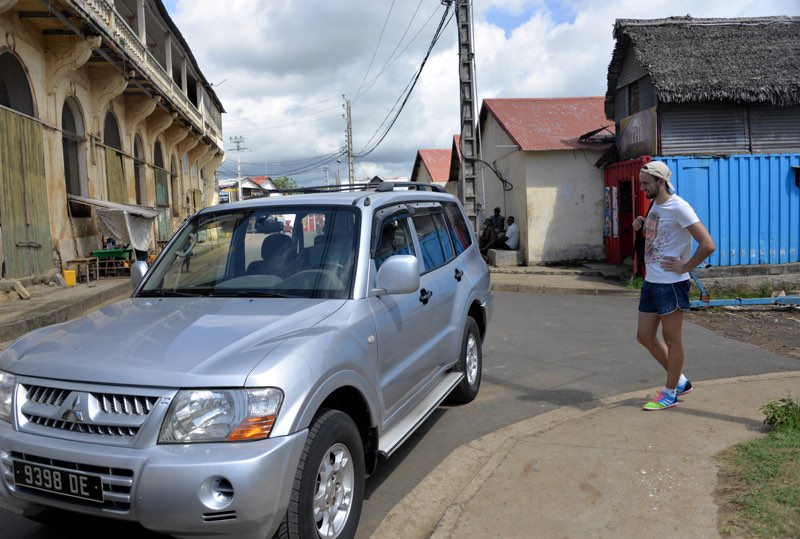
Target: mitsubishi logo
{"points": [[74, 412]]}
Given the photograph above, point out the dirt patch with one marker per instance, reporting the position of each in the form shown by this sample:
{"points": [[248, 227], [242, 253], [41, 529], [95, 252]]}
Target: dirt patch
{"points": [[776, 328]]}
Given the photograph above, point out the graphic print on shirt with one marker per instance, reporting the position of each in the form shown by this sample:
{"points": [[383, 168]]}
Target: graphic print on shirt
{"points": [[653, 243]]}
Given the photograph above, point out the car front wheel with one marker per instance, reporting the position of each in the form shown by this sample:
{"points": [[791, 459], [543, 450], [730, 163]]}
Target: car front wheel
{"points": [[470, 363], [329, 485]]}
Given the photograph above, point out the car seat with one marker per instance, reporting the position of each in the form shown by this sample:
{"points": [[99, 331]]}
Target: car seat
{"points": [[277, 257]]}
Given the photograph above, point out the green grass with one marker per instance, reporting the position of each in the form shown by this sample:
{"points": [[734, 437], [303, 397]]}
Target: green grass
{"points": [[764, 291], [760, 480]]}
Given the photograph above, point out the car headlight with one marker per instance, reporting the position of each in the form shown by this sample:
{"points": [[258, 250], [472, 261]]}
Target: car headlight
{"points": [[7, 384], [220, 415]]}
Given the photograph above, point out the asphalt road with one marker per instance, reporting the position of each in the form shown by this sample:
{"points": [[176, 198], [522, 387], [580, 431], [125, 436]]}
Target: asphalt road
{"points": [[541, 352]]}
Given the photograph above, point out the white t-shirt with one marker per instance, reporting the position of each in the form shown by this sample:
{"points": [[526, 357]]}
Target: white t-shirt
{"points": [[512, 236], [666, 235]]}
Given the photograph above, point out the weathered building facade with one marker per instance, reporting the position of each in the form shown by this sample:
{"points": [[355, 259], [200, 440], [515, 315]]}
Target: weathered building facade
{"points": [[102, 101], [719, 101], [540, 165]]}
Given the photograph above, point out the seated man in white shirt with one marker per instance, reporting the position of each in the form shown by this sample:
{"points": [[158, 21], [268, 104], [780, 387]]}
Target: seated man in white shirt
{"points": [[509, 241]]}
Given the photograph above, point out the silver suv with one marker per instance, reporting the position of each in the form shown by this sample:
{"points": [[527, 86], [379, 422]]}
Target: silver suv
{"points": [[255, 375]]}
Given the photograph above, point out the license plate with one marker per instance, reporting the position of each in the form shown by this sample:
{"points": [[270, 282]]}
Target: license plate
{"points": [[58, 481]]}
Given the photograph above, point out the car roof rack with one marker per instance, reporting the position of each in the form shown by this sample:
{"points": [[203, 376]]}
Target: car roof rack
{"points": [[382, 187]]}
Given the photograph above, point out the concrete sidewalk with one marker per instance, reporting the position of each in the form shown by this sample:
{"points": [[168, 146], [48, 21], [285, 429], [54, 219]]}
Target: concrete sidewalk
{"points": [[53, 304], [614, 471]]}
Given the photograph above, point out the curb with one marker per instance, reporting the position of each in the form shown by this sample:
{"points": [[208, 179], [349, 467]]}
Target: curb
{"points": [[437, 502], [60, 311], [543, 289]]}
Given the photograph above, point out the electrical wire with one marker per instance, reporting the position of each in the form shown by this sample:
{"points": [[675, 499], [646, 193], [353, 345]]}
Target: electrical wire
{"points": [[370, 146], [375, 52]]}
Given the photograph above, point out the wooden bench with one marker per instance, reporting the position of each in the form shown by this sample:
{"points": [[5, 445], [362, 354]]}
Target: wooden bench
{"points": [[91, 265], [501, 258]]}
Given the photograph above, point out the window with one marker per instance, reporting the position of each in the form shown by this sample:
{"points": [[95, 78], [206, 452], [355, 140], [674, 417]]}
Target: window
{"points": [[72, 145], [434, 239], [139, 172], [395, 239], [459, 230]]}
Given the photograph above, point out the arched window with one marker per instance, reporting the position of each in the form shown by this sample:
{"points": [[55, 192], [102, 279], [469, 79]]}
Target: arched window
{"points": [[74, 148], [115, 170], [139, 171], [15, 91]]}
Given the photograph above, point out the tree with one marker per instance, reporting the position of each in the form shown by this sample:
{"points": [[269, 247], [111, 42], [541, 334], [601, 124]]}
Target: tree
{"points": [[284, 182]]}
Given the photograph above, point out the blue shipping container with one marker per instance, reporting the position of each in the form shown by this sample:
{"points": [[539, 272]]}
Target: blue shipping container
{"points": [[749, 203]]}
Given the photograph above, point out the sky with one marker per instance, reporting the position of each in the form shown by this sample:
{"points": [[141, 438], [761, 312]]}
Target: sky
{"points": [[284, 68]]}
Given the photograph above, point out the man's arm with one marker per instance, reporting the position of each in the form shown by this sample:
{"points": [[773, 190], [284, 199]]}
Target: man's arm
{"points": [[705, 246]]}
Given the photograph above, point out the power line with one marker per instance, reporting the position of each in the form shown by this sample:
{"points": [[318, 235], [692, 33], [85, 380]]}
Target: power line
{"points": [[375, 52], [446, 17]]}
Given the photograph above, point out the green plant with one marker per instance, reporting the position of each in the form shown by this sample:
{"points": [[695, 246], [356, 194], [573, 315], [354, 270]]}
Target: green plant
{"points": [[636, 283], [782, 414]]}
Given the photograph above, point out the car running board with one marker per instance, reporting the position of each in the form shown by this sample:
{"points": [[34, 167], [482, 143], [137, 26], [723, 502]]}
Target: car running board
{"points": [[399, 433]]}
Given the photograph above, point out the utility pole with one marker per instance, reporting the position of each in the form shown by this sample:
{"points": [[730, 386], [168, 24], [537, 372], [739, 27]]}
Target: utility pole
{"points": [[239, 141], [350, 164], [466, 74]]}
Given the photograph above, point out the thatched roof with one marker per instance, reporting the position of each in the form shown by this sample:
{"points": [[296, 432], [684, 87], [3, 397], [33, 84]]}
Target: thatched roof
{"points": [[754, 60]]}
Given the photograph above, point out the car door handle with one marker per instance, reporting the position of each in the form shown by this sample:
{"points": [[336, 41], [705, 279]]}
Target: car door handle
{"points": [[458, 275], [424, 296]]}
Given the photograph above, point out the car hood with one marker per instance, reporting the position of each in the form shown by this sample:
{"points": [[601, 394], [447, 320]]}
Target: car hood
{"points": [[166, 342]]}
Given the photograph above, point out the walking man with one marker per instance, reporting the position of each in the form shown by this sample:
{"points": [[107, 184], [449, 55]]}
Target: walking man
{"points": [[669, 228]]}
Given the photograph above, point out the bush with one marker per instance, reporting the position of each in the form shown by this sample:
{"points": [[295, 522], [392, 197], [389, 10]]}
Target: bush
{"points": [[782, 414]]}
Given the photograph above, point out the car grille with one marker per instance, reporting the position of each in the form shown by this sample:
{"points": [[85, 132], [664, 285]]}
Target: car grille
{"points": [[117, 417], [117, 482]]}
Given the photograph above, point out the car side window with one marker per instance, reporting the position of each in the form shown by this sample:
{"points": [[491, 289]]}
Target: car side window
{"points": [[395, 239], [434, 239], [459, 230]]}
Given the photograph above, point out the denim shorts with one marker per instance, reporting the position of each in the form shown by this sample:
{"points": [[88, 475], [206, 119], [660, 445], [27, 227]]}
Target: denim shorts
{"points": [[664, 298]]}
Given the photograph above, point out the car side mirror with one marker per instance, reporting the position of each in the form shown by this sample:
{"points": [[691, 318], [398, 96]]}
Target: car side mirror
{"points": [[138, 271], [399, 274]]}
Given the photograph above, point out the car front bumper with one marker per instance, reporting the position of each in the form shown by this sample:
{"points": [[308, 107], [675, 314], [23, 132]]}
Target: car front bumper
{"points": [[235, 489]]}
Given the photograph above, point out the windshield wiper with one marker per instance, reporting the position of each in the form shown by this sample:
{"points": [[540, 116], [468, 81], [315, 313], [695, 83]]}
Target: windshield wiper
{"points": [[161, 293], [246, 294]]}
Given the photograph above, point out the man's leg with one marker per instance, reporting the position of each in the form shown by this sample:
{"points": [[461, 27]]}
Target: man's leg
{"points": [[647, 335], [671, 327]]}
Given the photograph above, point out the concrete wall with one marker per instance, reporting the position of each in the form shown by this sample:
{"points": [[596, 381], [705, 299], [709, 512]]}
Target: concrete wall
{"points": [[556, 198], [564, 206]]}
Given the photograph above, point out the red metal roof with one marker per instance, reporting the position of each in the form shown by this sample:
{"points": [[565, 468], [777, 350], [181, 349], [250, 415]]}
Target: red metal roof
{"points": [[437, 162], [540, 124]]}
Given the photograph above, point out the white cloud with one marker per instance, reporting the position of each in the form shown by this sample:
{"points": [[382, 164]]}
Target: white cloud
{"points": [[286, 64]]}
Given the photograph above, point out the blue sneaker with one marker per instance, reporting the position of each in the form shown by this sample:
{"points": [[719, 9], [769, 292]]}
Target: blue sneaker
{"points": [[662, 401], [684, 388]]}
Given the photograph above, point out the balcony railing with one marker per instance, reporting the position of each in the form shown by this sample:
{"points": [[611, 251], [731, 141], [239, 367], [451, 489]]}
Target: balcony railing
{"points": [[105, 16]]}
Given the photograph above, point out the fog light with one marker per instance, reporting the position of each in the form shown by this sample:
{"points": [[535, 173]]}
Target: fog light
{"points": [[216, 493]]}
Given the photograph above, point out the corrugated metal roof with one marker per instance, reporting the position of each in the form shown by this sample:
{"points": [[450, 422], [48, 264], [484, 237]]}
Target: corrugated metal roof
{"points": [[437, 162], [541, 124]]}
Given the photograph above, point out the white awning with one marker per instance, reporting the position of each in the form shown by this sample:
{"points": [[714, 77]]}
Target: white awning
{"points": [[124, 222]]}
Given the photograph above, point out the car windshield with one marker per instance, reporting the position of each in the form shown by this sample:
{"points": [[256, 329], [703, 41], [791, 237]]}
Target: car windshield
{"points": [[286, 251]]}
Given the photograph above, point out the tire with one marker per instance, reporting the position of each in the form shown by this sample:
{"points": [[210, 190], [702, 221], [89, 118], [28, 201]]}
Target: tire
{"points": [[331, 469], [470, 363]]}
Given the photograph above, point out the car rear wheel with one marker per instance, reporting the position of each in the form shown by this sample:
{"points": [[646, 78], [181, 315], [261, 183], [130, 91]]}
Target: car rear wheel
{"points": [[329, 485], [470, 364]]}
